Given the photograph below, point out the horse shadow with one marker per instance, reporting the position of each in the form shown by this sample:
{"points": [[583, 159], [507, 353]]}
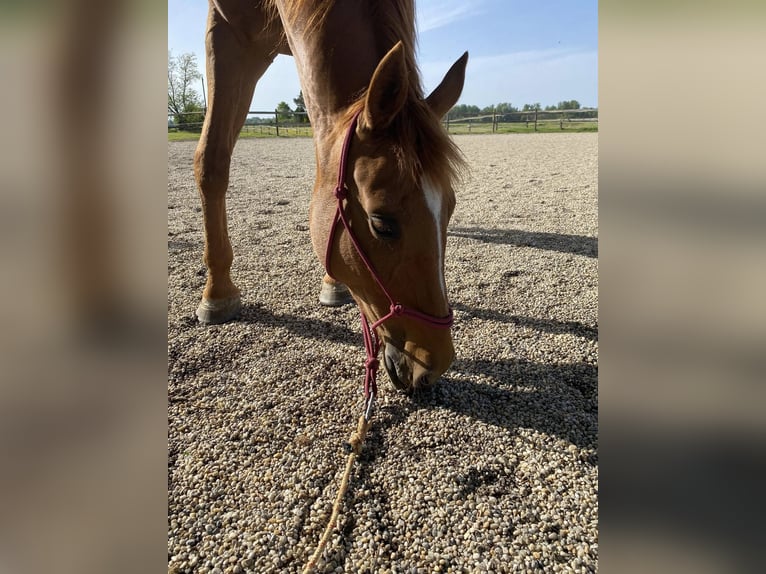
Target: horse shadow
{"points": [[301, 326], [561, 242], [558, 399], [544, 325]]}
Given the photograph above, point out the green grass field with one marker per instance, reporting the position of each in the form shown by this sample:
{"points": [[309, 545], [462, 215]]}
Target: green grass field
{"points": [[523, 128], [454, 128], [248, 132]]}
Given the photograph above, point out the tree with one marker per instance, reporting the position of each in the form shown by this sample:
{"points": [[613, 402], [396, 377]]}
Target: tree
{"points": [[464, 111], [184, 102], [505, 108], [284, 112], [569, 105], [300, 107], [531, 107]]}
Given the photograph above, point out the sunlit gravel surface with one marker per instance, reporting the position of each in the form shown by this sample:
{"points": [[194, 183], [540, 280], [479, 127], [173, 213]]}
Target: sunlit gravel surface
{"points": [[493, 470]]}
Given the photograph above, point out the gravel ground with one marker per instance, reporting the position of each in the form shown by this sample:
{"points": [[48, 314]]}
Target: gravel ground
{"points": [[493, 470]]}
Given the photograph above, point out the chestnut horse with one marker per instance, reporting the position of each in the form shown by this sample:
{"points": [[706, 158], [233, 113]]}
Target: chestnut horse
{"points": [[356, 64]]}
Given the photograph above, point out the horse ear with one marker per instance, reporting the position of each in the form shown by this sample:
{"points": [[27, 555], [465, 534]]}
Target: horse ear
{"points": [[447, 93], [388, 90]]}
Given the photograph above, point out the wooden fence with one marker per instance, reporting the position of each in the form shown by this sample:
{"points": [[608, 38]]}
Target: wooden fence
{"points": [[277, 123], [532, 120], [296, 123]]}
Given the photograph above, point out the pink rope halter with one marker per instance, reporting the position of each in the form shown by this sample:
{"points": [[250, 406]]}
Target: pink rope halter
{"points": [[372, 342]]}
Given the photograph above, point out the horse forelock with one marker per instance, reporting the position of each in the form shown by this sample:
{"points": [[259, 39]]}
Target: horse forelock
{"points": [[418, 142]]}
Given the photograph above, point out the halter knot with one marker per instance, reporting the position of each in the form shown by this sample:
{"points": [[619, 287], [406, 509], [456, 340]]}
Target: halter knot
{"points": [[341, 191], [372, 364], [397, 309]]}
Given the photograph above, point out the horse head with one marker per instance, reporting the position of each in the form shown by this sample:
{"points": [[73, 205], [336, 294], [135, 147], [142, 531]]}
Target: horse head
{"points": [[398, 173]]}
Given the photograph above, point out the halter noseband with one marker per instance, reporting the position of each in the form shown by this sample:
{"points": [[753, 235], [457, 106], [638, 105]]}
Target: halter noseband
{"points": [[372, 342]]}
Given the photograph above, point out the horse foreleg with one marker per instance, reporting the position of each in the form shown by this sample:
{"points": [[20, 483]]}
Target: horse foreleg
{"points": [[220, 298], [234, 64]]}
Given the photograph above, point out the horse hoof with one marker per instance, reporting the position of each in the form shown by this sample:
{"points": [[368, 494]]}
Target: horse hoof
{"points": [[334, 295], [215, 311]]}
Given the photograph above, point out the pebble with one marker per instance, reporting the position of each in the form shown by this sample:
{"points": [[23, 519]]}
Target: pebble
{"points": [[491, 471]]}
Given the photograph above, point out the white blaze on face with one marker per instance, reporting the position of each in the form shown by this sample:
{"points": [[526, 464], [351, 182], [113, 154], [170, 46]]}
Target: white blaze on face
{"points": [[434, 199]]}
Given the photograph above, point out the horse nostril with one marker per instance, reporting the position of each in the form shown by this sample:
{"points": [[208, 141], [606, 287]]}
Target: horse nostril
{"points": [[425, 380], [392, 363]]}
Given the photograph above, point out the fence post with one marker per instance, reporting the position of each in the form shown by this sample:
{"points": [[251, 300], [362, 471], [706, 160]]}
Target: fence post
{"points": [[535, 120], [494, 121], [276, 121]]}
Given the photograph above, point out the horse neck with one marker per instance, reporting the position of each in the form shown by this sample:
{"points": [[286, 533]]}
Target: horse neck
{"points": [[336, 60]]}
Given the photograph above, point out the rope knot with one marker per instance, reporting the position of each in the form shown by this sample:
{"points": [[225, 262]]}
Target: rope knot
{"points": [[356, 440], [372, 364], [341, 191]]}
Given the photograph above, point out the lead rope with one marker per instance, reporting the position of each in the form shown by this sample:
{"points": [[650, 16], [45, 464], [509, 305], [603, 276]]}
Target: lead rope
{"points": [[355, 441]]}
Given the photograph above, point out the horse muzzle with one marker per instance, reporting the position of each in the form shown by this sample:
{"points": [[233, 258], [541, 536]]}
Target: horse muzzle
{"points": [[410, 370]]}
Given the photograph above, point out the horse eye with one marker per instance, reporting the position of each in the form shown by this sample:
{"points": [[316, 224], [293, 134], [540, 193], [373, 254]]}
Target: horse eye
{"points": [[384, 227]]}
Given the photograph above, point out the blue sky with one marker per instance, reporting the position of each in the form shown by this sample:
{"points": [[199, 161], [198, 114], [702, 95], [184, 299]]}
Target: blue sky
{"points": [[520, 52]]}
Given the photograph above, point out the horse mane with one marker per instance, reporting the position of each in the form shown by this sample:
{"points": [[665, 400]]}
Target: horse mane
{"points": [[422, 146]]}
